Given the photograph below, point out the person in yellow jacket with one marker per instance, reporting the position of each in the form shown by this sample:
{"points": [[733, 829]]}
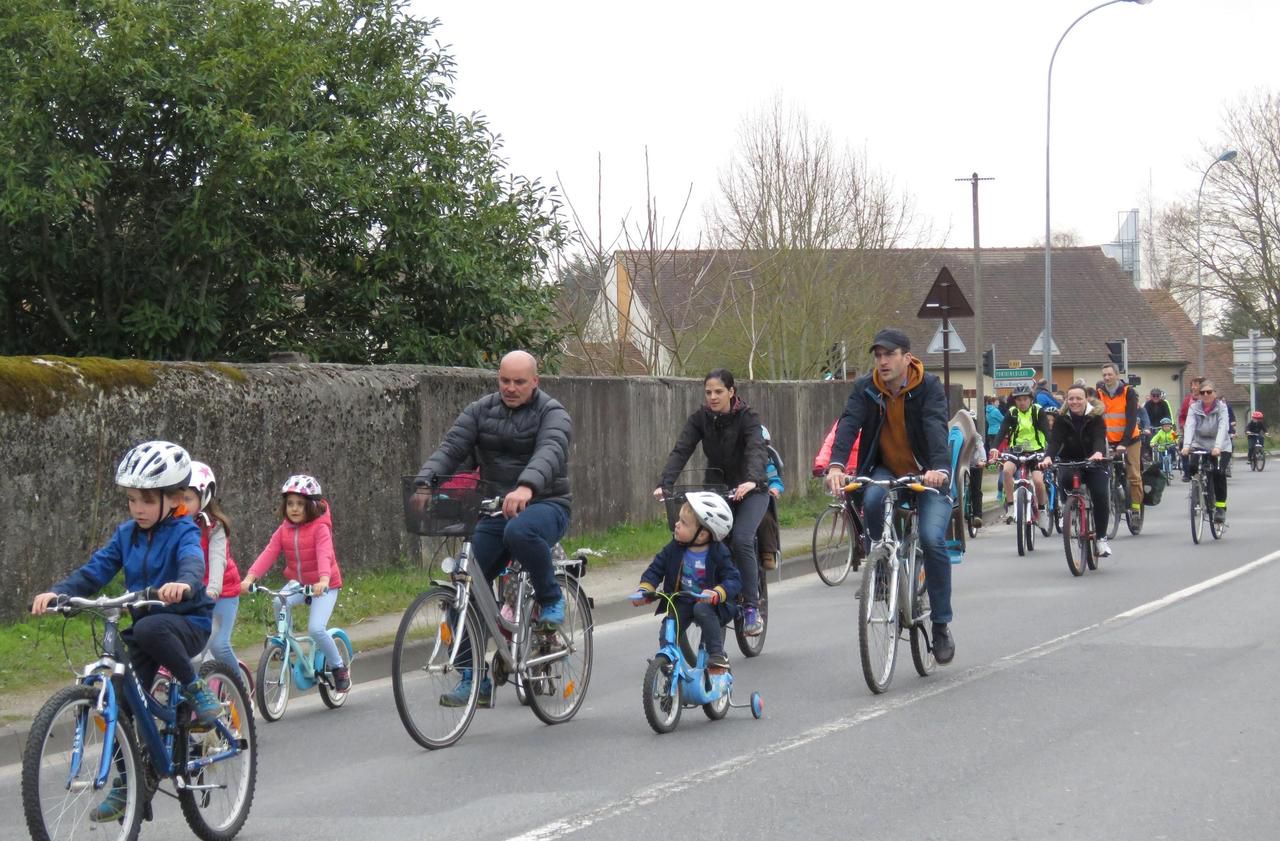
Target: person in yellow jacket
{"points": [[1120, 411], [1027, 427]]}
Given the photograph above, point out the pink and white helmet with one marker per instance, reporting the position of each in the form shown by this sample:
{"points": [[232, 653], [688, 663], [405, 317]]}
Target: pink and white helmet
{"points": [[203, 482], [303, 485]]}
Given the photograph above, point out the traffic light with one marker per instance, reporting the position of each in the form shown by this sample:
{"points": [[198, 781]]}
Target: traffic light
{"points": [[1118, 354], [989, 361]]}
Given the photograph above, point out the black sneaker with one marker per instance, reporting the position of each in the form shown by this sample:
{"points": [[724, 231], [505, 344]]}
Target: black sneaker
{"points": [[718, 661], [944, 648], [342, 679]]}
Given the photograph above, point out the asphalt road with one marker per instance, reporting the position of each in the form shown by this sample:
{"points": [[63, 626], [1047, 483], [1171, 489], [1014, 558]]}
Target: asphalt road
{"points": [[1135, 702]]}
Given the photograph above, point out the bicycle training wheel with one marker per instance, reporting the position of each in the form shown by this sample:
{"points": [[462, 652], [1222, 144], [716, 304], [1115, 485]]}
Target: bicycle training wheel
{"points": [[220, 793], [332, 697], [662, 705], [921, 629], [877, 625], [434, 696], [58, 794], [1197, 511], [274, 681], [832, 545], [752, 646], [1075, 539], [557, 688]]}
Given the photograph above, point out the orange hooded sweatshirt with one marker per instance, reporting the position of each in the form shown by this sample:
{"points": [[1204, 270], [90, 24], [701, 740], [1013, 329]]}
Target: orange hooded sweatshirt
{"points": [[895, 449]]}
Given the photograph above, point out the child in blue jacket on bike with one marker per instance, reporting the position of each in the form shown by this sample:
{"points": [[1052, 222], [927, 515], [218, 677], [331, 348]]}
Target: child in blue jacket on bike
{"points": [[159, 547], [697, 561]]}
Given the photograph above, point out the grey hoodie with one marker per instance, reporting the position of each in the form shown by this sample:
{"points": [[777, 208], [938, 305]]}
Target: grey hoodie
{"points": [[1206, 430]]}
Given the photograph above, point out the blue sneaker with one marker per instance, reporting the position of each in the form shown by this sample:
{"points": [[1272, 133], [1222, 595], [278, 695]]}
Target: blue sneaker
{"points": [[552, 615], [113, 807], [203, 702], [751, 624], [458, 696]]}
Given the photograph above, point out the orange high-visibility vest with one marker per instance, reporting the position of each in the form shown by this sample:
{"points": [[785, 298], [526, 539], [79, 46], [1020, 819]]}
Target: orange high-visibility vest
{"points": [[1113, 407]]}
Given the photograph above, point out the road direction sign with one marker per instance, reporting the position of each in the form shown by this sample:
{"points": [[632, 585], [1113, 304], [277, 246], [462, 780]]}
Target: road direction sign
{"points": [[1259, 343], [954, 344], [1260, 370], [1002, 384], [1014, 374], [1262, 357]]}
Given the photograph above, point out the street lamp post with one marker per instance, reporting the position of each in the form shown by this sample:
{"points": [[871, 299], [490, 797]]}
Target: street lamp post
{"points": [[1048, 236], [1229, 155]]}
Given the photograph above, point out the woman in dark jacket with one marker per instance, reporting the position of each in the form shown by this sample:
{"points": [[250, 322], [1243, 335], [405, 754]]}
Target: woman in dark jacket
{"points": [[729, 431], [1080, 434]]}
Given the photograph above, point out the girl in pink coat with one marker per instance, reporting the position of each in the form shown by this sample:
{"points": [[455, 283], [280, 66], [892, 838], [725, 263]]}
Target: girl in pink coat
{"points": [[305, 538]]}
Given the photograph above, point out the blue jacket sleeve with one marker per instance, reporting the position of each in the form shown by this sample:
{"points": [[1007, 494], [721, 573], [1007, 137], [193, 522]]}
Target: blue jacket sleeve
{"points": [[101, 568], [656, 573]]}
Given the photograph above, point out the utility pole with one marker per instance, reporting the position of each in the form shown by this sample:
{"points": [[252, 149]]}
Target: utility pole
{"points": [[979, 399]]}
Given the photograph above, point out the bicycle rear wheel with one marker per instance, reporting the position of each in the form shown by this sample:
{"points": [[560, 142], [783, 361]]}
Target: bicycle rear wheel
{"points": [[753, 646], [877, 625], [832, 545], [1262, 459], [1116, 500], [1073, 527], [59, 804], [557, 688], [1211, 508], [218, 796], [331, 697], [423, 675]]}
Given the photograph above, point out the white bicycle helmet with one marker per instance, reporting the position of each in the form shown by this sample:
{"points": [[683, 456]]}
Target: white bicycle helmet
{"points": [[155, 465], [711, 512], [303, 485], [203, 482]]}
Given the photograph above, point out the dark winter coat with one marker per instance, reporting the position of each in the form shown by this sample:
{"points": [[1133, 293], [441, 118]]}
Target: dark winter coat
{"points": [[527, 445], [1075, 438], [925, 413], [664, 573], [731, 441]]}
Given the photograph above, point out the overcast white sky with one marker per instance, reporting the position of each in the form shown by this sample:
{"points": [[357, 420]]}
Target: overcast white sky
{"points": [[929, 90]]}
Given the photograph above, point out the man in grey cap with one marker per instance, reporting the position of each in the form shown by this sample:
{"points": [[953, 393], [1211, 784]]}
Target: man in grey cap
{"points": [[901, 413]]}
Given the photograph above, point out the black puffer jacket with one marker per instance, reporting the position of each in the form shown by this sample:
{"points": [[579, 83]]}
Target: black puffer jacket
{"points": [[732, 443], [527, 445], [1075, 438]]}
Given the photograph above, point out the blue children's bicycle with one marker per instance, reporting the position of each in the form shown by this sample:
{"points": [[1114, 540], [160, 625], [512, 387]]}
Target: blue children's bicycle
{"points": [[292, 660], [99, 750], [677, 678]]}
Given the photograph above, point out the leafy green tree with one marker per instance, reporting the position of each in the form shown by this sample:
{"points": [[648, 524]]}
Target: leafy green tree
{"points": [[224, 178]]}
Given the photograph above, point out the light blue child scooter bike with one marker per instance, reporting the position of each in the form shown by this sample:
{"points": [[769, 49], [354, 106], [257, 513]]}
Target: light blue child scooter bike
{"points": [[678, 677], [290, 660]]}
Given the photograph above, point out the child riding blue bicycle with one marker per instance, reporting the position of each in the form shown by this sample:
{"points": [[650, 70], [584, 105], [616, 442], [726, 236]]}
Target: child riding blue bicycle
{"points": [[697, 562]]}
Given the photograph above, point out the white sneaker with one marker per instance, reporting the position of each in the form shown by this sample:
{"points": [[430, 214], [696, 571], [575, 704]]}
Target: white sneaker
{"points": [[1104, 548], [1008, 515], [1042, 519]]}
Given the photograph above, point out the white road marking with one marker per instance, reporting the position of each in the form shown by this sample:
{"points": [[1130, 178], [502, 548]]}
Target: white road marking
{"points": [[652, 794]]}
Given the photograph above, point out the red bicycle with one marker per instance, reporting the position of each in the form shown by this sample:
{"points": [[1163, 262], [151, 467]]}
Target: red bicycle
{"points": [[1077, 517]]}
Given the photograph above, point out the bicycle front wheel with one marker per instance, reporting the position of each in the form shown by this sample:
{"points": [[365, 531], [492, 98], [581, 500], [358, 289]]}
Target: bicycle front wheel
{"points": [[877, 625], [832, 545], [1197, 511], [435, 697], [63, 754], [662, 706], [218, 795], [1020, 520], [274, 681], [1075, 540], [557, 688]]}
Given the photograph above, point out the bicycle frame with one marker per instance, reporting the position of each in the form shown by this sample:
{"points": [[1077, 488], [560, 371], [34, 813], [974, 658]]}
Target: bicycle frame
{"points": [[114, 668], [698, 685], [298, 651], [892, 542]]}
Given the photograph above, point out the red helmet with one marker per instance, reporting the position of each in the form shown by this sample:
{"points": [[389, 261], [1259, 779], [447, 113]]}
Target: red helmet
{"points": [[1256, 416]]}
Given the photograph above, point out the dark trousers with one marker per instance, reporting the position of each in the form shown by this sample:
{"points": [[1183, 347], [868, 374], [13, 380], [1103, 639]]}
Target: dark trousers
{"points": [[689, 613], [975, 491], [747, 514], [768, 535], [163, 639], [1215, 470], [1098, 482]]}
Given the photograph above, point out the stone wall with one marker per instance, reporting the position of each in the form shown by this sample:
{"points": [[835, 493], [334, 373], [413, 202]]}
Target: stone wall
{"points": [[64, 424]]}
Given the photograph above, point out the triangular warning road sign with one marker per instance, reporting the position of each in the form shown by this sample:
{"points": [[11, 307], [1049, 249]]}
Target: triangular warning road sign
{"points": [[945, 300]]}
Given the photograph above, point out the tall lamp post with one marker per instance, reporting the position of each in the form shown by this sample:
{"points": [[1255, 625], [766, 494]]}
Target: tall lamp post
{"points": [[1229, 155], [1047, 366]]}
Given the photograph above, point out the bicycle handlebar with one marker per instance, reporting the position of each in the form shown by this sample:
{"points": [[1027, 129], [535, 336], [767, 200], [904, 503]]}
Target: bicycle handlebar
{"points": [[70, 605], [284, 592], [913, 483], [1022, 457]]}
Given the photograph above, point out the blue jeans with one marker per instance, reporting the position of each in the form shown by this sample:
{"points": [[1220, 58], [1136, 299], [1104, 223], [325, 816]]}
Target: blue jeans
{"points": [[933, 513], [528, 537], [224, 618], [318, 624]]}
